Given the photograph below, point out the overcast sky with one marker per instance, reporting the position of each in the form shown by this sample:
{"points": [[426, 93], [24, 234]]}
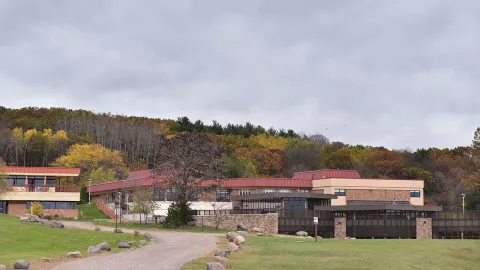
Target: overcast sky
{"points": [[403, 74]]}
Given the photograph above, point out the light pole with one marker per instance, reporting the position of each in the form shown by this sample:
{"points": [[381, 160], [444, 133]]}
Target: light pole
{"points": [[116, 211], [89, 192], [463, 212], [126, 195]]}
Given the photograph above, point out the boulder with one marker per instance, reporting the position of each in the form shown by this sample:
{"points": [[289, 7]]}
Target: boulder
{"points": [[123, 245], [192, 223], [104, 246], [231, 236], [23, 264], [33, 218], [97, 229], [240, 239], [222, 253], [118, 230], [3, 267], [236, 241], [255, 229], [45, 259], [47, 217], [242, 227], [136, 233], [232, 247], [57, 224], [224, 261], [75, 254], [45, 222], [302, 233], [215, 266], [240, 248], [142, 242], [242, 233], [259, 234], [24, 218], [132, 243], [148, 235], [93, 250]]}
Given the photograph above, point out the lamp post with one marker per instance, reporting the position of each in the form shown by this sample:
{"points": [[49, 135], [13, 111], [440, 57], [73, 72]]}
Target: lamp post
{"points": [[117, 210], [126, 195], [89, 192], [463, 212]]}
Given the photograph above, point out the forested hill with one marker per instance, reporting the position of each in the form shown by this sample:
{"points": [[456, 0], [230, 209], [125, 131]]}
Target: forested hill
{"points": [[106, 146]]}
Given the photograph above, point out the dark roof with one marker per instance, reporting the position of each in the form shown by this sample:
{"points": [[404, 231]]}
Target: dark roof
{"points": [[323, 174], [380, 207], [283, 195]]}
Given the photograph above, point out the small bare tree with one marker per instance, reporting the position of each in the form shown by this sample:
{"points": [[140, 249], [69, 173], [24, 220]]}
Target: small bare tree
{"points": [[144, 202], [220, 213]]}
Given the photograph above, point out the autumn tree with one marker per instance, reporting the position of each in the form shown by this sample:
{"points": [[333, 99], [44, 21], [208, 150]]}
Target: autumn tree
{"points": [[339, 160], [4, 188], [143, 202], [185, 162], [96, 162]]}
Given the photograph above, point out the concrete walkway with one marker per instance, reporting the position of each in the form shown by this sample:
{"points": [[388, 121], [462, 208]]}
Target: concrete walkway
{"points": [[168, 250]]}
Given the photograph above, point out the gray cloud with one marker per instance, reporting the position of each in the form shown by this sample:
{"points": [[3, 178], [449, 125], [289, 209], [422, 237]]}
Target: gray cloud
{"points": [[399, 74]]}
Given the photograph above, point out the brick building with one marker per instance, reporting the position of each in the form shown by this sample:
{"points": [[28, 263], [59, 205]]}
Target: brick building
{"points": [[53, 187]]}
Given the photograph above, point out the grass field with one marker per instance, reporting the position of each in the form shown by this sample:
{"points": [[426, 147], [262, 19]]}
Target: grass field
{"points": [[158, 226], [91, 211], [294, 253], [32, 241]]}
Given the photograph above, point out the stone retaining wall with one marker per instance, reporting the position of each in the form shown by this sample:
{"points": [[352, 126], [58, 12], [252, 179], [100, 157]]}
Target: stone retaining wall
{"points": [[268, 224], [424, 228], [340, 227]]}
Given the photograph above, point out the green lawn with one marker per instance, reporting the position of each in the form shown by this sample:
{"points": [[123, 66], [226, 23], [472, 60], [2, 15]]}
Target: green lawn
{"points": [[293, 253], [32, 241], [91, 211], [158, 226]]}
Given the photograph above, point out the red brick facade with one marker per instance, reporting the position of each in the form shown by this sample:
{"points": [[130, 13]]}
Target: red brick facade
{"points": [[18, 208], [377, 195]]}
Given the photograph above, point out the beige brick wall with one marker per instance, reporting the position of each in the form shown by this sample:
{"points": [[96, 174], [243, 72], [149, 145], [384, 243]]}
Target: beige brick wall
{"points": [[17, 208], [268, 223], [340, 230], [424, 228], [377, 195]]}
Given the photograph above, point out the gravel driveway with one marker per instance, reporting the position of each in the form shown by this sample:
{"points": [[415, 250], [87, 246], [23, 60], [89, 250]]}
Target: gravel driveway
{"points": [[168, 250]]}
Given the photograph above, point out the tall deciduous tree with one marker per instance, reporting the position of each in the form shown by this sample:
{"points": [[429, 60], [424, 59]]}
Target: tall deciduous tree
{"points": [[90, 158], [144, 202], [185, 162]]}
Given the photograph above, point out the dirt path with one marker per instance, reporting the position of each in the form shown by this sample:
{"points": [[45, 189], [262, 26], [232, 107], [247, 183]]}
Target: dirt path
{"points": [[168, 250]]}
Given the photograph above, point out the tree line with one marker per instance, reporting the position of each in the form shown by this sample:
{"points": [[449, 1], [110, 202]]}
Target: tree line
{"points": [[57, 136]]}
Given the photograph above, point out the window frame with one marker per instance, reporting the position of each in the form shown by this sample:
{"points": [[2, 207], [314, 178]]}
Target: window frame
{"points": [[415, 194], [340, 192]]}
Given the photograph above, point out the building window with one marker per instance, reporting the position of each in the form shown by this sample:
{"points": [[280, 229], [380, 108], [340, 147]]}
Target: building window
{"points": [[244, 191], [37, 181], [171, 195], [56, 205], [283, 190], [16, 181], [159, 194], [223, 195], [415, 193], [303, 190], [340, 192], [51, 181], [268, 190]]}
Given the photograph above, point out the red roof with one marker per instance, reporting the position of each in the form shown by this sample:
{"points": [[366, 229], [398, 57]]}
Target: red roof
{"points": [[42, 170], [330, 173]]}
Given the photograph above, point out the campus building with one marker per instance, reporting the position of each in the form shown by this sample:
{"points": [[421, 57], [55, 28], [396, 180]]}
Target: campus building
{"points": [[53, 187], [345, 204]]}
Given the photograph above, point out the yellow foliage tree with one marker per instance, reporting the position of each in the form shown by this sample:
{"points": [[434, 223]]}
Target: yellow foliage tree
{"points": [[270, 142], [94, 160]]}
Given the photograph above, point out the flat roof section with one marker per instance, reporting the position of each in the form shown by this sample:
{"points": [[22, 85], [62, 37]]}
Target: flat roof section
{"points": [[47, 171], [283, 195], [380, 207]]}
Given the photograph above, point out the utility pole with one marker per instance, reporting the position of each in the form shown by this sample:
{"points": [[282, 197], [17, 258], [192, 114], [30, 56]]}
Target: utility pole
{"points": [[463, 213], [315, 221]]}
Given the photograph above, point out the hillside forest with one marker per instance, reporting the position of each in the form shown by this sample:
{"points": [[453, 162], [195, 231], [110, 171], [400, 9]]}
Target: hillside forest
{"points": [[108, 146]]}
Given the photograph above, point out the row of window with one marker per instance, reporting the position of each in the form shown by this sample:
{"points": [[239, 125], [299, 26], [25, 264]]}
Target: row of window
{"points": [[270, 190], [39, 181], [56, 205], [343, 192]]}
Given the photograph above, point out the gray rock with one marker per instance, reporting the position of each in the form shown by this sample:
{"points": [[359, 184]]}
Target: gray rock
{"points": [[123, 245], [255, 229], [118, 230], [25, 219], [302, 234], [240, 248], [215, 266], [136, 233], [143, 242], [47, 217], [231, 236], [192, 223], [242, 233], [23, 264], [45, 222], [232, 247], [33, 218], [93, 250], [222, 253], [148, 235], [132, 243], [97, 229], [75, 254], [104, 246], [45, 259], [57, 224], [242, 227], [224, 261], [3, 267]]}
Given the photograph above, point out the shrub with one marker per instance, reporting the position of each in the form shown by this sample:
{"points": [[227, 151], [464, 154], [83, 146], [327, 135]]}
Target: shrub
{"points": [[35, 208], [179, 214]]}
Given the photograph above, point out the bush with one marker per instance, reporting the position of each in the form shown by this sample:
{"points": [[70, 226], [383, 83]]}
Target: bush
{"points": [[179, 214], [36, 209]]}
